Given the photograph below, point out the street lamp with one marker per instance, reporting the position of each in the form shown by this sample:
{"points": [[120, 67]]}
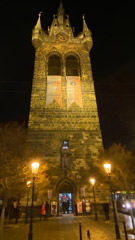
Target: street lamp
{"points": [[34, 167], [26, 215], [107, 168], [92, 181]]}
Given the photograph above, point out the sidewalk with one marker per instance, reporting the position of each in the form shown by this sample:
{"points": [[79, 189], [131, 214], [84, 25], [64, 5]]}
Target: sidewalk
{"points": [[65, 227]]}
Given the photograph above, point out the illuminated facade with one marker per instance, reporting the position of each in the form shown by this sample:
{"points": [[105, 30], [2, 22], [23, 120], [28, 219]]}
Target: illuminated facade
{"points": [[63, 119]]}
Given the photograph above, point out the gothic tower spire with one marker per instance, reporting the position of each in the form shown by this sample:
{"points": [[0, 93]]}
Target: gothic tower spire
{"points": [[63, 120], [60, 23]]}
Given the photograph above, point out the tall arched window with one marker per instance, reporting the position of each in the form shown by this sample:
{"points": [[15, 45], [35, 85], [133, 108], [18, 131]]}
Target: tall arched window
{"points": [[72, 66], [54, 65]]}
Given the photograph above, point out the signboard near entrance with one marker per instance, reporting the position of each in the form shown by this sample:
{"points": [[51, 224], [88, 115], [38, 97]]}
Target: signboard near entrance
{"points": [[53, 208], [49, 194], [79, 207], [87, 206]]}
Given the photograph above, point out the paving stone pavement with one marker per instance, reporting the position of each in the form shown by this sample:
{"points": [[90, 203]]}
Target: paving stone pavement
{"points": [[65, 227]]}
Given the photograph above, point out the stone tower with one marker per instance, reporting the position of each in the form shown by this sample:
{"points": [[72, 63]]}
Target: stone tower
{"points": [[63, 119]]}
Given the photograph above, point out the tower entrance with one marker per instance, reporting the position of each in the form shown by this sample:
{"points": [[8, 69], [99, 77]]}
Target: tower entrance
{"points": [[65, 203], [66, 192]]}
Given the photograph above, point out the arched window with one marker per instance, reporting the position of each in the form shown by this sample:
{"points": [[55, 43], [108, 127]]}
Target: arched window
{"points": [[72, 66], [54, 65]]}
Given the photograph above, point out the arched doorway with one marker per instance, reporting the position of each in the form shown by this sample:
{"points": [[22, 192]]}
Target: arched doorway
{"points": [[66, 192]]}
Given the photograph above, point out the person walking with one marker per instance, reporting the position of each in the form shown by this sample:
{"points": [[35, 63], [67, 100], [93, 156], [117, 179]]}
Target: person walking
{"points": [[67, 206], [64, 207], [106, 210], [43, 211], [16, 211]]}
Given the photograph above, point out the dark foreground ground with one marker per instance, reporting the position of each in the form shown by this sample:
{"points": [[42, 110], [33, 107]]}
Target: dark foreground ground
{"points": [[66, 227]]}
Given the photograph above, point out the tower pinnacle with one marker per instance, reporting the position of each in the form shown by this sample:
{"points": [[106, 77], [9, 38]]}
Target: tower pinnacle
{"points": [[60, 9], [60, 14], [38, 24], [86, 31], [36, 33]]}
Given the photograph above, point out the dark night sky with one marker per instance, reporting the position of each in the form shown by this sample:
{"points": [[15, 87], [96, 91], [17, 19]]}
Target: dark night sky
{"points": [[112, 57]]}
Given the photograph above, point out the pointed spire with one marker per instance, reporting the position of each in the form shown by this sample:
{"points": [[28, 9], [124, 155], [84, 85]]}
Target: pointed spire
{"points": [[61, 9], [55, 21], [60, 23], [67, 22], [60, 14], [54, 26], [36, 33], [38, 24], [86, 31]]}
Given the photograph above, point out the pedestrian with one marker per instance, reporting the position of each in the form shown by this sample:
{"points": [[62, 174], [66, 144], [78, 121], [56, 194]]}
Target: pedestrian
{"points": [[64, 207], [43, 211], [47, 210], [106, 210], [16, 211], [67, 206]]}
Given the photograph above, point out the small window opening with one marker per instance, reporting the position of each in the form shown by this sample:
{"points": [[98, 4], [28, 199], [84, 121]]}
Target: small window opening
{"points": [[65, 144]]}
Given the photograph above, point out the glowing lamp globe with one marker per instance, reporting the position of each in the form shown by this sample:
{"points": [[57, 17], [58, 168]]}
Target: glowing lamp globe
{"points": [[92, 181], [35, 167], [107, 167]]}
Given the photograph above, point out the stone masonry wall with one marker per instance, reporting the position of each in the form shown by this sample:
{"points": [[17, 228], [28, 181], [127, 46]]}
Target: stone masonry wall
{"points": [[49, 126]]}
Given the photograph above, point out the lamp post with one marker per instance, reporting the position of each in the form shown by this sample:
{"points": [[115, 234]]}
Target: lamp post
{"points": [[26, 216], [34, 167], [92, 181], [107, 168]]}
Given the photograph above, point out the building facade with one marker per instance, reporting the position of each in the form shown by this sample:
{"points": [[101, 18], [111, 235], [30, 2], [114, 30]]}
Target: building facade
{"points": [[63, 119]]}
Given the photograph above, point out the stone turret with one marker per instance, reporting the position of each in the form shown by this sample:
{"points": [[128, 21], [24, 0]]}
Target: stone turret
{"points": [[86, 35], [36, 33]]}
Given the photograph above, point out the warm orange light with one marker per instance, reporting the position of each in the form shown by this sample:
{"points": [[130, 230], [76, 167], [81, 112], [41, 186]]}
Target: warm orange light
{"points": [[92, 181], [35, 167], [107, 167], [28, 183]]}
